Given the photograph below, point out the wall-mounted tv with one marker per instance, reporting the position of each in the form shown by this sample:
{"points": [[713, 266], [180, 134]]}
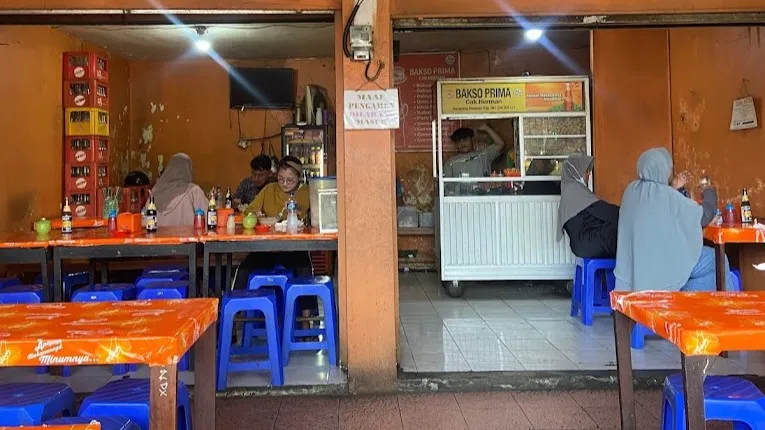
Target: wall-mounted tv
{"points": [[262, 88]]}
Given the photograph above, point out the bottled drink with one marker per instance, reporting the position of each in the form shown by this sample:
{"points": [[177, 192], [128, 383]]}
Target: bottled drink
{"points": [[151, 216], [229, 200], [729, 214], [66, 217], [292, 221], [718, 218], [212, 214], [746, 208]]}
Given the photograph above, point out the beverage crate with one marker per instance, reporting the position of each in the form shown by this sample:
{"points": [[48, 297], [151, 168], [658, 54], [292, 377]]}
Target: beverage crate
{"points": [[85, 65], [85, 204], [86, 149], [86, 177], [87, 121], [86, 93]]}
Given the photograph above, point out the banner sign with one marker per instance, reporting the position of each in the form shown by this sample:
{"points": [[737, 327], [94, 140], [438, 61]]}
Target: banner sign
{"points": [[511, 97]]}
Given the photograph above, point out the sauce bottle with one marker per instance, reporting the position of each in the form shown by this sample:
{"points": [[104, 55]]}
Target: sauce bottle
{"points": [[746, 208], [66, 218], [212, 214], [199, 219], [151, 216], [729, 214], [229, 200]]}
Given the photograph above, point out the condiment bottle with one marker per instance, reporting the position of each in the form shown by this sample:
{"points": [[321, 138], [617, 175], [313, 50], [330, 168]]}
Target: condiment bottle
{"points": [[212, 214], [229, 200], [746, 208], [199, 219], [729, 214], [66, 217], [151, 216]]}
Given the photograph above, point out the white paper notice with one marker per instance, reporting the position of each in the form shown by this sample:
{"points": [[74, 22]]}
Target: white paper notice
{"points": [[744, 115], [371, 110]]}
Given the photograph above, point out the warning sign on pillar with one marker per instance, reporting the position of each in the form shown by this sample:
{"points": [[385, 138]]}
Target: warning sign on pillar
{"points": [[371, 110]]}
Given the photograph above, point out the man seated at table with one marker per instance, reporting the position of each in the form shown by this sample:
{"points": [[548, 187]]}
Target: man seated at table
{"points": [[260, 176]]}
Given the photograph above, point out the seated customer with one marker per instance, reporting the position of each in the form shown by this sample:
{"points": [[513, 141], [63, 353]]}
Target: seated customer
{"points": [[660, 232], [260, 169], [175, 195], [591, 223]]}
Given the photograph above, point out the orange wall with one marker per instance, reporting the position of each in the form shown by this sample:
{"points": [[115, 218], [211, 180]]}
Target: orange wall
{"points": [[184, 107], [631, 108], [31, 121]]}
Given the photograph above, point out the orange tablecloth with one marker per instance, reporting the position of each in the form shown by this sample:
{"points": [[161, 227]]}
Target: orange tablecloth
{"points": [[156, 332], [99, 236], [736, 233], [239, 235], [27, 239], [699, 323], [92, 426]]}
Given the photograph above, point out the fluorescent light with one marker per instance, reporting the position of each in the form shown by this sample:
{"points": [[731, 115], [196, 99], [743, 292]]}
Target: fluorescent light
{"points": [[533, 34], [202, 45]]}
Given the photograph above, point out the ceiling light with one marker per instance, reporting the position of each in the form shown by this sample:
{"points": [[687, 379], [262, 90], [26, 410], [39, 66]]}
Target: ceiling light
{"points": [[202, 44], [533, 34]]}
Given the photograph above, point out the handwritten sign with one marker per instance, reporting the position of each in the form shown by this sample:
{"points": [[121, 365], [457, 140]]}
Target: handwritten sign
{"points": [[371, 110]]}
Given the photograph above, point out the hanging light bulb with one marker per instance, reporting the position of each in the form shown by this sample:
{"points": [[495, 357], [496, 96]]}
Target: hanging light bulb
{"points": [[533, 34], [202, 44]]}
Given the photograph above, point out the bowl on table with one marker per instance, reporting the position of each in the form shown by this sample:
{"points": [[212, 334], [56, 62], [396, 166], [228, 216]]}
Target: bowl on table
{"points": [[269, 221]]}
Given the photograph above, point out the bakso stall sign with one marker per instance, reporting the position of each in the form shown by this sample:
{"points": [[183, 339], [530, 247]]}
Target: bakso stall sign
{"points": [[509, 98], [371, 110]]}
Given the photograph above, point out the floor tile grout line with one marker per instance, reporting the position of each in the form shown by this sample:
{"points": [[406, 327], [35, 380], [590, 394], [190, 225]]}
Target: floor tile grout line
{"points": [[462, 414]]}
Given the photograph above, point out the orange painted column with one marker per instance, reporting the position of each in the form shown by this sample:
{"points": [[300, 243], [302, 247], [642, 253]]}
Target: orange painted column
{"points": [[368, 269]]}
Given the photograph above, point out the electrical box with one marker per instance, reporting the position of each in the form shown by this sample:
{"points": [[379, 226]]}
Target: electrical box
{"points": [[361, 42]]}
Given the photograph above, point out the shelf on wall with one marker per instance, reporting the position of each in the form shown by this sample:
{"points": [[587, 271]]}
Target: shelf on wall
{"points": [[416, 231]]}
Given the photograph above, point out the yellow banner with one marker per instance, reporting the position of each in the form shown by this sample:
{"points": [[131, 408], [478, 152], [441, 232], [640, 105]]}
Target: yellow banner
{"points": [[459, 98]]}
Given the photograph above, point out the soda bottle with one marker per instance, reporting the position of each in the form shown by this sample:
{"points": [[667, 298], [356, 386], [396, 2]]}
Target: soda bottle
{"points": [[746, 208], [66, 217], [229, 200], [151, 216], [212, 214], [292, 220]]}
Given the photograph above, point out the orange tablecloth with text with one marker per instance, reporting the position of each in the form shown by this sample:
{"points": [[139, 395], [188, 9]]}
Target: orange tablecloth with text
{"points": [[155, 332], [699, 323], [736, 233], [92, 426]]}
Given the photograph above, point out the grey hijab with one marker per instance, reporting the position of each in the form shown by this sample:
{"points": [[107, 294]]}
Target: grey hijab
{"points": [[574, 194], [660, 235]]}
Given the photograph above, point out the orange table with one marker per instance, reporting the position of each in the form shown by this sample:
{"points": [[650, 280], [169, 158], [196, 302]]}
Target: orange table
{"points": [[102, 244], [222, 242], [701, 325], [94, 425], [156, 333], [736, 233], [26, 248]]}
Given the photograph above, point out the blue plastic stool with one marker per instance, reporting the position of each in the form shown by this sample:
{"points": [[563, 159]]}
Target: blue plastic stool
{"points": [[21, 294], [244, 301], [737, 274], [167, 291], [321, 287], [638, 335], [104, 293], [34, 403], [144, 280], [129, 398], [165, 269], [277, 279], [70, 281], [726, 398], [589, 295], [7, 282], [107, 423]]}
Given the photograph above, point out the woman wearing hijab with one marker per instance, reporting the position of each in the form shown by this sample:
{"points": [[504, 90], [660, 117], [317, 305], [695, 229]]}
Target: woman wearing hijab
{"points": [[591, 223], [660, 232], [175, 195]]}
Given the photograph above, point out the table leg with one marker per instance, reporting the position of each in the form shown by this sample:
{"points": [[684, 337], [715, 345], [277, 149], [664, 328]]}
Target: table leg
{"points": [[720, 271], [205, 271], [622, 329], [218, 274], [163, 414], [193, 271], [58, 288], [47, 287], [694, 369], [229, 270], [104, 271], [204, 380], [92, 271]]}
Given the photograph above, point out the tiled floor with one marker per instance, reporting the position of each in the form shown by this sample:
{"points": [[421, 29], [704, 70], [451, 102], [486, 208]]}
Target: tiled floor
{"points": [[512, 327], [303, 369], [480, 411]]}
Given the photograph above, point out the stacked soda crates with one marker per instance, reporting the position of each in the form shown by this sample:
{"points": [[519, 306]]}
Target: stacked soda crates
{"points": [[86, 142]]}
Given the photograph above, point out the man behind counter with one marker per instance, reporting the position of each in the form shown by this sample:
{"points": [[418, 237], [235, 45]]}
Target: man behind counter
{"points": [[250, 186], [476, 164]]}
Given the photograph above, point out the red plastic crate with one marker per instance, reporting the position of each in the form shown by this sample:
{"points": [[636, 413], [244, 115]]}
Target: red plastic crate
{"points": [[85, 65], [86, 93], [85, 204], [134, 198], [86, 149], [85, 177]]}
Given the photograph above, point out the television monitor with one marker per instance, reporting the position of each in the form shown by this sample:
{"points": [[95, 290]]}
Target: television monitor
{"points": [[262, 88]]}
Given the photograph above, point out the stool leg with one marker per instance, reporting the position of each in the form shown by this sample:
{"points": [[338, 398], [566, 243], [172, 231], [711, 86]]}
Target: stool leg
{"points": [[588, 296], [637, 340], [329, 327], [120, 369], [576, 292], [289, 325], [274, 353], [225, 348]]}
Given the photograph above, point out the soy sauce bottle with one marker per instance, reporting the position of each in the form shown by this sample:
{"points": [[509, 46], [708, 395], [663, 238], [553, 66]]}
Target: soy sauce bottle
{"points": [[212, 214], [746, 208], [66, 218], [151, 216]]}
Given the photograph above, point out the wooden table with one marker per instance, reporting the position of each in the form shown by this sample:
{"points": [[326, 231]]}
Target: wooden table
{"points": [[222, 242], [701, 325], [156, 333], [26, 248], [97, 243], [719, 236]]}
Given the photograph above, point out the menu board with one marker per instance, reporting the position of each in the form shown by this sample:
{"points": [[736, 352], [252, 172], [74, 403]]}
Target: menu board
{"points": [[415, 75]]}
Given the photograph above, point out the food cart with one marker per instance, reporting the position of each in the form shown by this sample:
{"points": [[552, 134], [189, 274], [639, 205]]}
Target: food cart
{"points": [[488, 228]]}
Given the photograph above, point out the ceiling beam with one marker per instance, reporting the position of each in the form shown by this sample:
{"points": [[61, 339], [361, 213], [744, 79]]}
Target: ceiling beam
{"points": [[159, 17]]}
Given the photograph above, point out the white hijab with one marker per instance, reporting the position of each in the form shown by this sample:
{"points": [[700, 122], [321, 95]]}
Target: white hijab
{"points": [[660, 235], [175, 195]]}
